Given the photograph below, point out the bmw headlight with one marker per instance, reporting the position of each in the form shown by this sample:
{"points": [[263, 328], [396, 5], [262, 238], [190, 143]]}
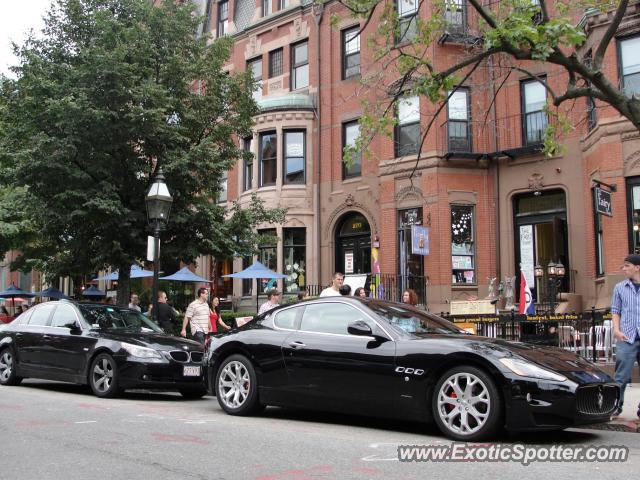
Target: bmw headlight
{"points": [[141, 352], [527, 369]]}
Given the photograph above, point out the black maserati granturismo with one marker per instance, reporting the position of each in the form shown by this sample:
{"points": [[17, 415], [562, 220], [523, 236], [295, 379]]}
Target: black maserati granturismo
{"points": [[380, 358], [107, 347]]}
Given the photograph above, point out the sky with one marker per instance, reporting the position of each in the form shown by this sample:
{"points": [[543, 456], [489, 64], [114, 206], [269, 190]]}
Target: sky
{"points": [[17, 17]]}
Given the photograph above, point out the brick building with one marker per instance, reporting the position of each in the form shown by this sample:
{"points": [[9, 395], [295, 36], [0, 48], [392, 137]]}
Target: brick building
{"points": [[492, 201]]}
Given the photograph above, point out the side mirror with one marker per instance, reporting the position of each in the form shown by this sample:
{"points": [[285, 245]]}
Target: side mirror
{"points": [[359, 327], [73, 326]]}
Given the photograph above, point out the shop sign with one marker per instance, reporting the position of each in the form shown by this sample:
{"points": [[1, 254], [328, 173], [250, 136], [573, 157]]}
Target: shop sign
{"points": [[603, 202]]}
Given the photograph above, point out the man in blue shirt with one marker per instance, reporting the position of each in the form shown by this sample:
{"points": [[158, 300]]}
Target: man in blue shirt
{"points": [[625, 309]]}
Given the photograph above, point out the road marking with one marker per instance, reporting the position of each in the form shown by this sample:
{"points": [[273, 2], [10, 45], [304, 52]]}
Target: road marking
{"points": [[87, 421]]}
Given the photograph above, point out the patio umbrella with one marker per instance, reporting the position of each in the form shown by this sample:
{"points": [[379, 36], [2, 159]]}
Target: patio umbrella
{"points": [[14, 292], [256, 270], [135, 272], [92, 291], [51, 292], [185, 275]]}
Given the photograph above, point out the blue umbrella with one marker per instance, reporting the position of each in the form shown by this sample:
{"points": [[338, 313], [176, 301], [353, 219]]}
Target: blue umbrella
{"points": [[51, 292], [13, 292], [93, 291], [136, 272], [256, 270], [186, 275]]}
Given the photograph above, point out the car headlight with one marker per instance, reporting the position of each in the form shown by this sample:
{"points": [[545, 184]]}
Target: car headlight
{"points": [[527, 369], [141, 352]]}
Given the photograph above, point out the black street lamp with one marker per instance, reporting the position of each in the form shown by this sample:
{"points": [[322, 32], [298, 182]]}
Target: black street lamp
{"points": [[158, 201], [555, 272]]}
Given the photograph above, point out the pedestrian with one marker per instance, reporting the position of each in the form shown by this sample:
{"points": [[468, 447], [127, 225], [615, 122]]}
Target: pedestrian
{"points": [[303, 294], [18, 311], [4, 315], [215, 318], [166, 317], [625, 310], [197, 315], [134, 303], [272, 301], [334, 289], [360, 292], [410, 297], [345, 290]]}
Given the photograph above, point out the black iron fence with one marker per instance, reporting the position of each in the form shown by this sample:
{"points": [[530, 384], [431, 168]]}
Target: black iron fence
{"points": [[387, 286], [588, 333]]}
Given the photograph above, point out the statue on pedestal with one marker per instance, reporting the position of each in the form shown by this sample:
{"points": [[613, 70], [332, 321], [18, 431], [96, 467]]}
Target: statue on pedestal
{"points": [[509, 292]]}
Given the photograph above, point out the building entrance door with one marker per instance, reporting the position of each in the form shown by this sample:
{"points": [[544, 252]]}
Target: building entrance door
{"points": [[353, 245], [540, 238]]}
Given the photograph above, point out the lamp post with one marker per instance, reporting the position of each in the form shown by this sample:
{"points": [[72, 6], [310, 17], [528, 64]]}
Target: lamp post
{"points": [[555, 272], [158, 201]]}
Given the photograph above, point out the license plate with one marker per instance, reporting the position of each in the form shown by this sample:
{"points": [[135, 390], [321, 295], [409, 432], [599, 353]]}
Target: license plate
{"points": [[191, 371]]}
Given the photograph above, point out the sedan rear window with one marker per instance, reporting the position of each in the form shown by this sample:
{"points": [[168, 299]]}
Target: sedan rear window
{"points": [[111, 318]]}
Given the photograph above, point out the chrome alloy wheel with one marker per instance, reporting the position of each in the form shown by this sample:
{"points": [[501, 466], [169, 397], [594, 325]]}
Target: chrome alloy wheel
{"points": [[6, 365], [234, 384], [103, 375], [464, 403]]}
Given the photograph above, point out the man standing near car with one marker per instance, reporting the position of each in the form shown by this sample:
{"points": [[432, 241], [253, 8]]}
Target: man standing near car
{"points": [[625, 310], [167, 319], [334, 289], [134, 303], [197, 315]]}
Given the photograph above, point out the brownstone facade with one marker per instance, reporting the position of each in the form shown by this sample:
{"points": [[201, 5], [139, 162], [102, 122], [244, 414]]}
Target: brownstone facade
{"points": [[491, 200]]}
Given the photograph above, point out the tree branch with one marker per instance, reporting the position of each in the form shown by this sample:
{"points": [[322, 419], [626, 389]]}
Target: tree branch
{"points": [[608, 35]]}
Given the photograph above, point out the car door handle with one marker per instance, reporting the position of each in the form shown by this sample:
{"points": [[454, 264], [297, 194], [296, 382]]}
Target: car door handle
{"points": [[297, 345], [46, 337]]}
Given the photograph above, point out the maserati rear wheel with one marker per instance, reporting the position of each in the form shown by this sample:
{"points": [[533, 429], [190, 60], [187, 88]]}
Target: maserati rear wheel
{"points": [[466, 404], [236, 386]]}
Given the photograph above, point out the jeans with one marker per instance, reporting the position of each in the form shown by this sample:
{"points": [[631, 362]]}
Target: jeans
{"points": [[199, 337], [626, 356]]}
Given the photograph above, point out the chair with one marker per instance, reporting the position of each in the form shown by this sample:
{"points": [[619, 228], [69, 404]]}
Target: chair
{"points": [[604, 344], [567, 338]]}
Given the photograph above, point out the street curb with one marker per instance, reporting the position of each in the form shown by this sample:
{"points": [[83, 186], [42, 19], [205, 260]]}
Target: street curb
{"points": [[628, 426]]}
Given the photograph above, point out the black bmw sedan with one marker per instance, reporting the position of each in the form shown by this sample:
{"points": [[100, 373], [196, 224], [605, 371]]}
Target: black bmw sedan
{"points": [[386, 359], [107, 347]]}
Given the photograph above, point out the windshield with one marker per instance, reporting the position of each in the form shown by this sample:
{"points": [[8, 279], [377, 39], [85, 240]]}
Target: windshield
{"points": [[114, 318], [414, 321]]}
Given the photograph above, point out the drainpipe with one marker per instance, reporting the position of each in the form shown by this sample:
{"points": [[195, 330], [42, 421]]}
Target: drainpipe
{"points": [[497, 164], [318, 10]]}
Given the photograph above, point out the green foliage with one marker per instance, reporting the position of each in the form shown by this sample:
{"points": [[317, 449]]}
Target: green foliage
{"points": [[112, 88]]}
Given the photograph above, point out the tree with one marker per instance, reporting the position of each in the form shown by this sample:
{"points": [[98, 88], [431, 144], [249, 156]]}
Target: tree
{"points": [[509, 33], [112, 89]]}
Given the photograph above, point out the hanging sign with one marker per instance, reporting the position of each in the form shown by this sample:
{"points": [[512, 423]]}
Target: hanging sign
{"points": [[419, 240], [603, 202]]}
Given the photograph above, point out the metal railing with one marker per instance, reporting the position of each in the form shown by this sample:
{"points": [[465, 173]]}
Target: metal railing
{"points": [[588, 333]]}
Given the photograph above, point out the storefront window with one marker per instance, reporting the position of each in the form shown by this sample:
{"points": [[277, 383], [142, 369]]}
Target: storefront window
{"points": [[633, 202], [463, 263], [294, 264], [268, 257], [409, 264]]}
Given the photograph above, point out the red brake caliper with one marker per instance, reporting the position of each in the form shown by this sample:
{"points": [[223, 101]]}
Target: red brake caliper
{"points": [[451, 395]]}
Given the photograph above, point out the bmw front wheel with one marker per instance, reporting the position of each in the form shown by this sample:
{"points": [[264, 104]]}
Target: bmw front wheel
{"points": [[103, 376]]}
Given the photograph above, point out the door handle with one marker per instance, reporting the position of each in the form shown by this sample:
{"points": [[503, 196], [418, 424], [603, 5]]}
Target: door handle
{"points": [[46, 337], [297, 345]]}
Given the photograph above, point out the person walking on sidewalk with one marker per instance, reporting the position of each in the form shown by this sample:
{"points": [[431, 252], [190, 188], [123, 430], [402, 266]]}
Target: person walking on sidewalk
{"points": [[197, 315], [625, 310], [334, 289]]}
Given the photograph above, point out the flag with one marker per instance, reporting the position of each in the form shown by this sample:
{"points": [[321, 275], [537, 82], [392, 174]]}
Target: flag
{"points": [[526, 299]]}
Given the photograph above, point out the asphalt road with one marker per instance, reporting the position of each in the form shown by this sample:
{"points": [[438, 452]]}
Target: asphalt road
{"points": [[54, 431]]}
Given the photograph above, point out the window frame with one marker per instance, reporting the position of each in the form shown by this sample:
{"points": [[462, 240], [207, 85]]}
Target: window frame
{"points": [[267, 8], [402, 151], [467, 120], [295, 66], [347, 174], [473, 242], [257, 95], [524, 115], [261, 160], [223, 193], [293, 246], [408, 19], [272, 59], [272, 232], [621, 75], [345, 55], [247, 170], [285, 180], [222, 23]]}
